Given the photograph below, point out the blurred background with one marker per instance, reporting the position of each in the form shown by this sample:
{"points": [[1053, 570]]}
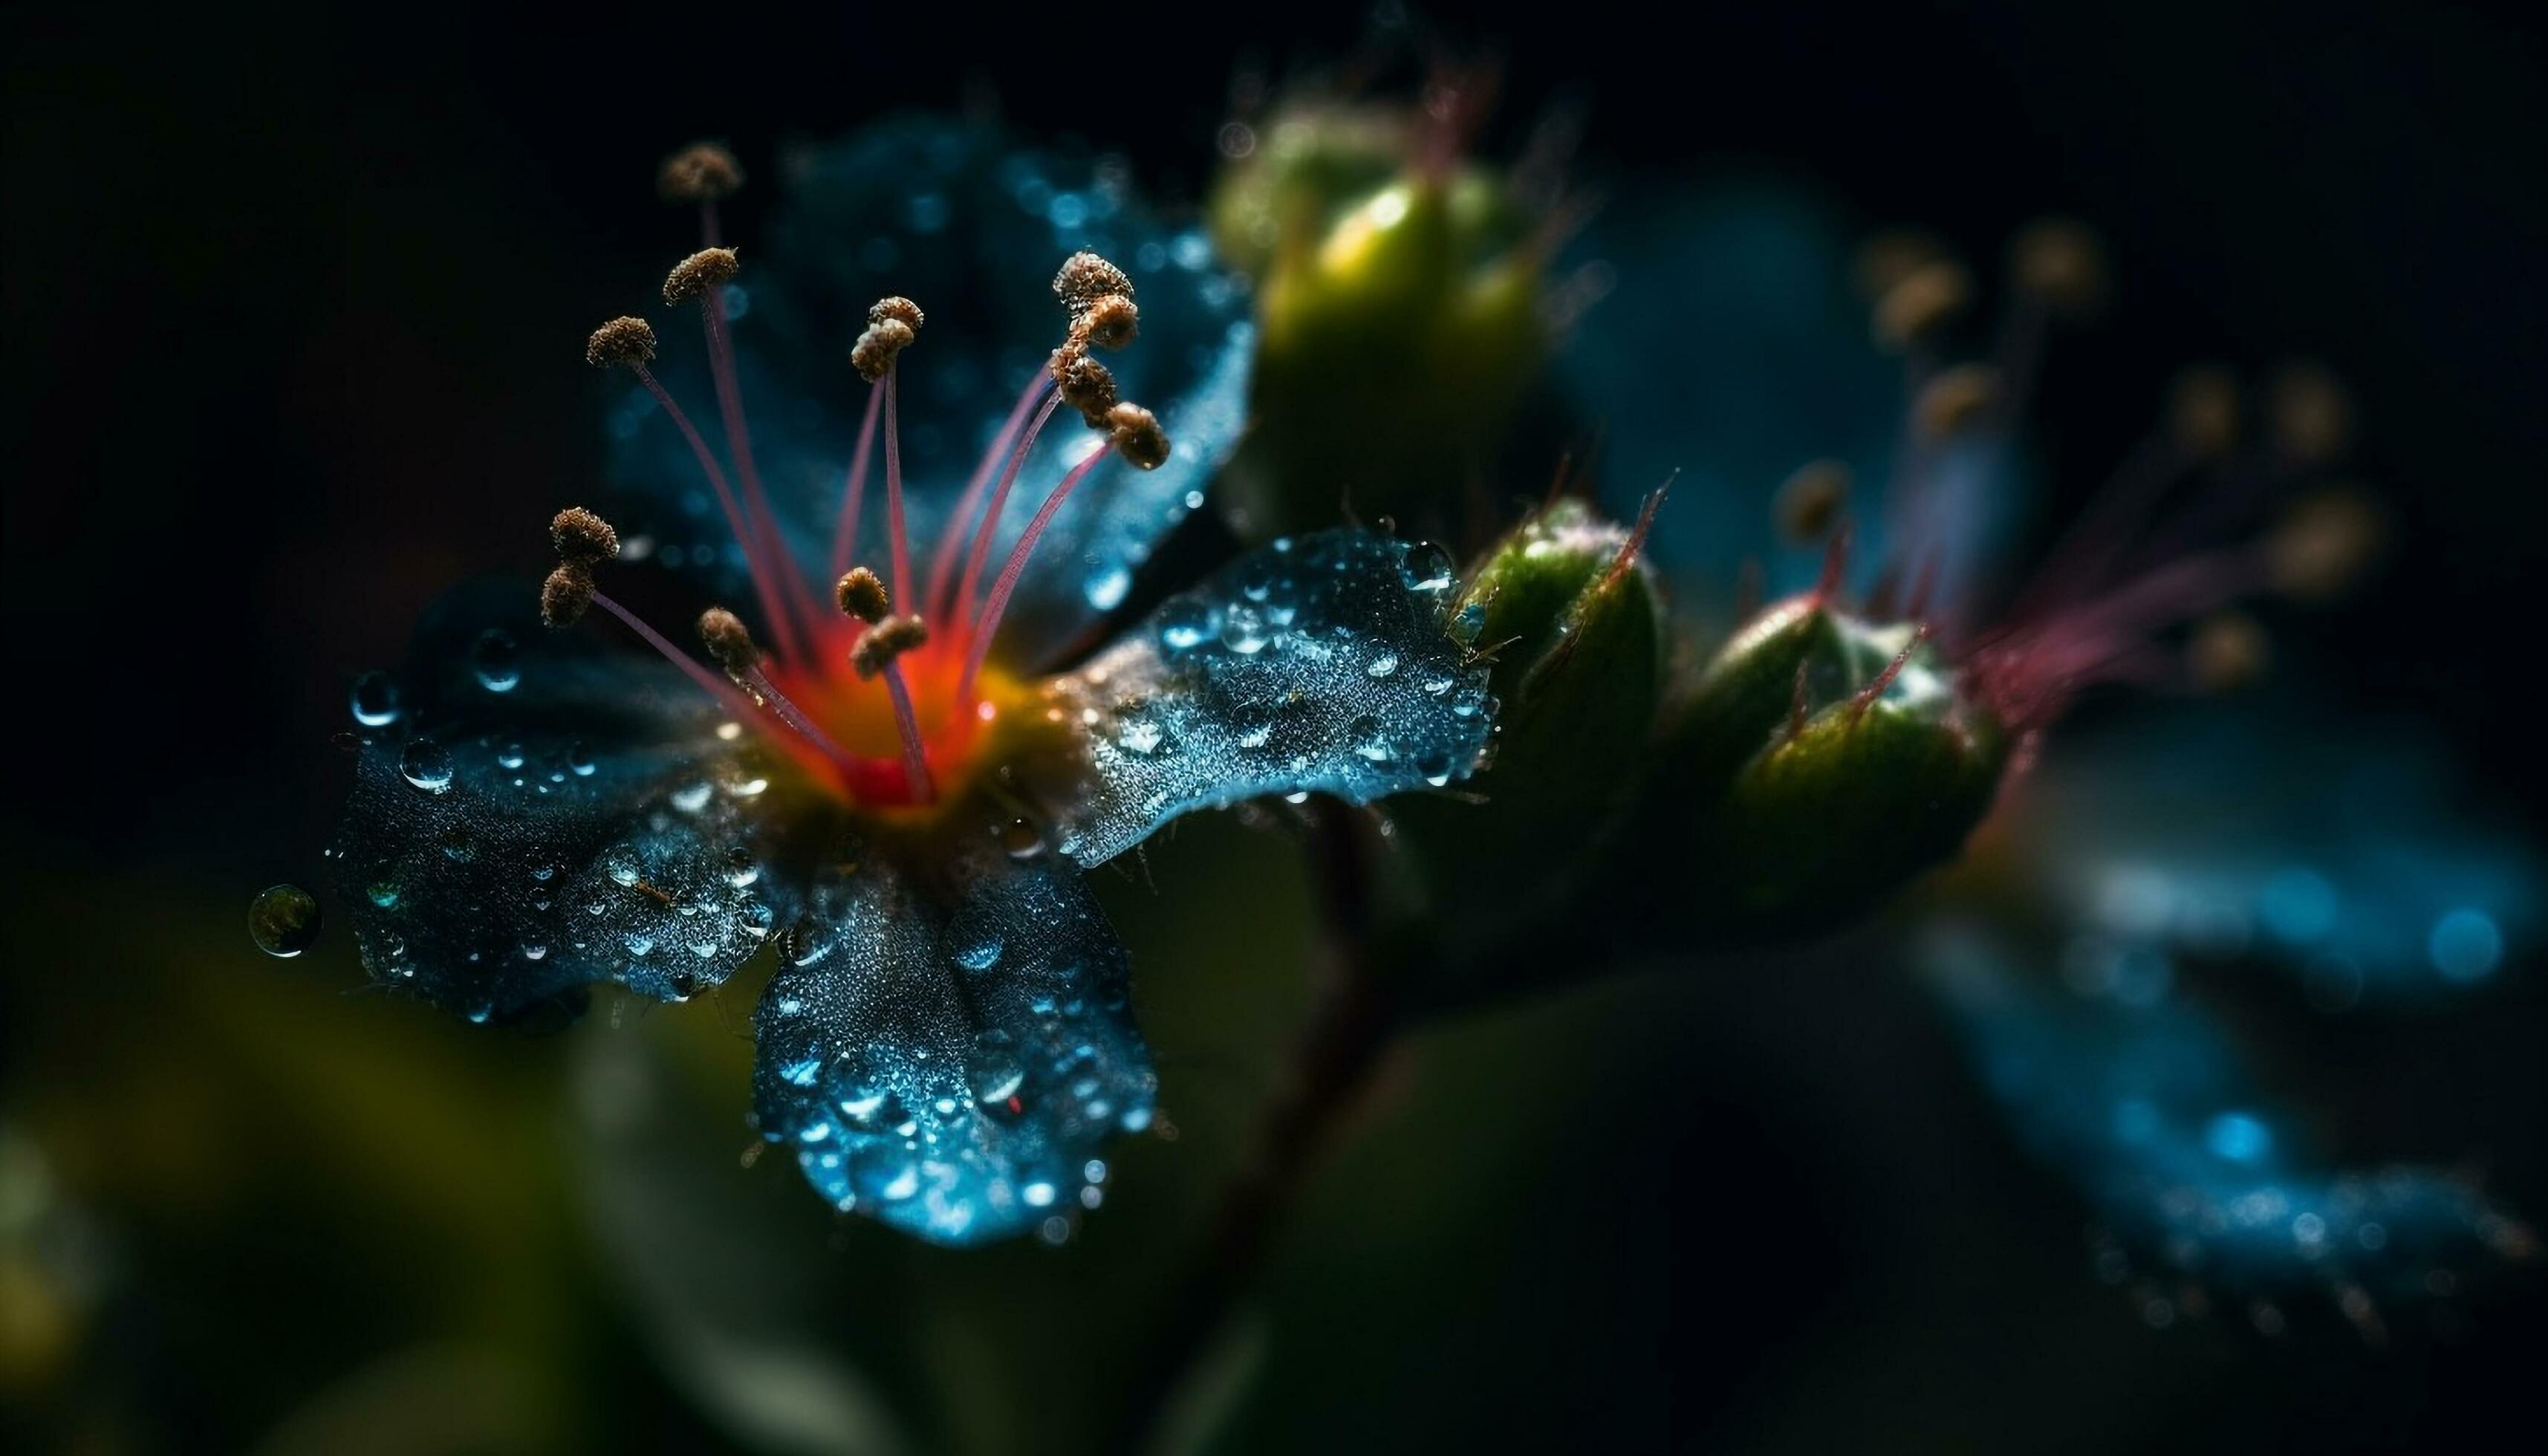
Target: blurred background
{"points": [[293, 307]]}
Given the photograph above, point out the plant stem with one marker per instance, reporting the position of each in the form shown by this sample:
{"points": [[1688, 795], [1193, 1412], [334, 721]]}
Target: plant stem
{"points": [[1351, 1025]]}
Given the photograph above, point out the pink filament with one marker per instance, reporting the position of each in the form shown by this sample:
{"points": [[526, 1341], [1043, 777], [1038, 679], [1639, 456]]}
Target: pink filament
{"points": [[716, 688], [893, 488], [963, 611], [845, 536], [1008, 572], [738, 437], [915, 763], [941, 561], [734, 518]]}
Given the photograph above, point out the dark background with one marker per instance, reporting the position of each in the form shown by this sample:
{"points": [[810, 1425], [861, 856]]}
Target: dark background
{"points": [[293, 304]]}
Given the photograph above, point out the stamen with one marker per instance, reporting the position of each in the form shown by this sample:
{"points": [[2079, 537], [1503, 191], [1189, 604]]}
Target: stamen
{"points": [[845, 534], [886, 640], [1809, 503], [1012, 568], [980, 555], [1637, 534], [703, 276], [722, 693], [1834, 564], [731, 644], [900, 537], [892, 325], [700, 172], [941, 563], [630, 342]]}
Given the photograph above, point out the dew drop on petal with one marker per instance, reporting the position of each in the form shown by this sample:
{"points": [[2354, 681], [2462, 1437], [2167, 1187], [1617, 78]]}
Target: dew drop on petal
{"points": [[497, 660], [375, 700], [283, 921], [426, 765]]}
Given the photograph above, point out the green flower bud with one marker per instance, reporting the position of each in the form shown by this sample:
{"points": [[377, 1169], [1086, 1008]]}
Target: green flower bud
{"points": [[1398, 313], [1571, 620], [1821, 763]]}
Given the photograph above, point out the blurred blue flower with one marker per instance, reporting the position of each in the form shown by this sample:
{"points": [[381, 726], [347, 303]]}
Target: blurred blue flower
{"points": [[888, 794]]}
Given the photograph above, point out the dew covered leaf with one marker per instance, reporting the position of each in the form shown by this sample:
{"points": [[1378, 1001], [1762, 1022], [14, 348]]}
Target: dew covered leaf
{"points": [[949, 1061], [1322, 663], [564, 816]]}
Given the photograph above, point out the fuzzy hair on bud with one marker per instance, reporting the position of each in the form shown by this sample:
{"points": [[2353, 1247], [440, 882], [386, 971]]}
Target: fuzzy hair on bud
{"points": [[1928, 299], [1085, 278], [1136, 435], [582, 537], [862, 595], [1809, 503], [2061, 261], [703, 171], [897, 307], [566, 594], [877, 349], [1111, 321], [620, 341], [886, 640], [693, 276], [1954, 400], [728, 640], [1086, 385]]}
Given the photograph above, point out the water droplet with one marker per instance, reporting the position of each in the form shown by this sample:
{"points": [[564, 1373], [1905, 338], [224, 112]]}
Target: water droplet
{"points": [[383, 892], [979, 951], [497, 660], [739, 870], [375, 700], [426, 765], [283, 921], [509, 756], [1140, 735], [1184, 623], [1021, 839], [578, 759], [1383, 664], [1365, 734], [621, 866], [1428, 568], [1242, 630], [456, 845], [689, 798], [1107, 584]]}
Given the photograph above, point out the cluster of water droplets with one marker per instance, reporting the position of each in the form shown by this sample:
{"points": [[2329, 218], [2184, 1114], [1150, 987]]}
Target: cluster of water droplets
{"points": [[1325, 663], [951, 1069], [492, 863]]}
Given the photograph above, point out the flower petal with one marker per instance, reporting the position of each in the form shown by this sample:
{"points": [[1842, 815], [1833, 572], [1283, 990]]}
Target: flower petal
{"points": [[2147, 1106], [541, 813], [953, 216], [1323, 663], [949, 1061]]}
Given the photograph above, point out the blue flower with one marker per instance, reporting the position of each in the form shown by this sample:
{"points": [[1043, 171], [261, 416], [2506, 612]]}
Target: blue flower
{"points": [[870, 777]]}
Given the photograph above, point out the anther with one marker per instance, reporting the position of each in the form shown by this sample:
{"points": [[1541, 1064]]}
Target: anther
{"points": [[1136, 435], [1954, 400], [885, 641], [878, 346], [693, 276], [620, 341], [862, 595], [566, 595], [582, 537], [1086, 385], [2061, 261], [1926, 300], [700, 172], [1811, 501], [1086, 278], [2227, 652], [1111, 321], [729, 641], [1886, 258], [901, 310], [2325, 544]]}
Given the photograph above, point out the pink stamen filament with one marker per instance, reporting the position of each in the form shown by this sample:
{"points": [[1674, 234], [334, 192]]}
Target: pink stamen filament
{"points": [[845, 536], [941, 561], [1014, 566], [738, 437], [737, 702], [893, 486], [1868, 695], [734, 518], [794, 716], [960, 615], [915, 763]]}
